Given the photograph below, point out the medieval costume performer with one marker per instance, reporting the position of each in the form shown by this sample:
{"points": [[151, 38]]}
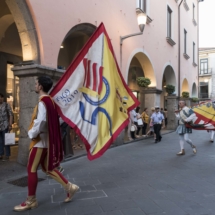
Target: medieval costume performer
{"points": [[185, 115], [46, 145]]}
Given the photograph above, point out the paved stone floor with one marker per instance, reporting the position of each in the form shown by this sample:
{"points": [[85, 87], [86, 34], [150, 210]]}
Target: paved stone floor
{"points": [[134, 179]]}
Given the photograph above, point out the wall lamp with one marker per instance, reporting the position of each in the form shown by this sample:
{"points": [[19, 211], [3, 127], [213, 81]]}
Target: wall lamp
{"points": [[141, 20]]}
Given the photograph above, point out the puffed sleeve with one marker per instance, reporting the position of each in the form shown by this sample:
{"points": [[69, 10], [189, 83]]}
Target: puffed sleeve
{"points": [[177, 115]]}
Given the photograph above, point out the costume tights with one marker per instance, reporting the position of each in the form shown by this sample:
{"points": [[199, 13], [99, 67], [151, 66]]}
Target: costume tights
{"points": [[185, 138], [38, 156], [212, 135]]}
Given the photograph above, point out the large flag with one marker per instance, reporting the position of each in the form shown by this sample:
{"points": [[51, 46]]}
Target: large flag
{"points": [[92, 96], [205, 116]]}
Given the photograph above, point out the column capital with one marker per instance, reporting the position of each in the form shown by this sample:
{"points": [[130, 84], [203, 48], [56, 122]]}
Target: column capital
{"points": [[150, 90], [37, 70]]}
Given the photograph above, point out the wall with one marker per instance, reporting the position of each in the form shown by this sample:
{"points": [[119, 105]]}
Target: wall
{"points": [[122, 14], [64, 15], [189, 71]]}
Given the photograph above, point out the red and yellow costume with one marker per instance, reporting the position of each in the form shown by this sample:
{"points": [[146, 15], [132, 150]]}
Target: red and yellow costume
{"points": [[45, 150]]}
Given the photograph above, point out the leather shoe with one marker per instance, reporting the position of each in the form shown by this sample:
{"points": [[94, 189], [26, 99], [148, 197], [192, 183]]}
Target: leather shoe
{"points": [[30, 203], [71, 189], [182, 152], [194, 149]]}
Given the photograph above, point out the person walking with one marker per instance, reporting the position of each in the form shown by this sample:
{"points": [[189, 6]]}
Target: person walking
{"points": [[157, 119], [145, 118], [185, 115], [6, 119], [46, 145]]}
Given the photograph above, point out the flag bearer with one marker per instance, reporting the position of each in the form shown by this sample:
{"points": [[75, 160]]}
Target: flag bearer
{"points": [[46, 146], [185, 115]]}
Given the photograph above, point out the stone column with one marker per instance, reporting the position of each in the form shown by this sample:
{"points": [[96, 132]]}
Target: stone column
{"points": [[28, 100], [120, 139], [149, 97], [172, 105]]}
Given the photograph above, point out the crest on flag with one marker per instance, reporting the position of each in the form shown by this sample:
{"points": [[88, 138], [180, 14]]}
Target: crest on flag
{"points": [[92, 96]]}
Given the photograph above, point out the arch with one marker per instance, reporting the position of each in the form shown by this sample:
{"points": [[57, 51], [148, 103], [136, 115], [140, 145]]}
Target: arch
{"points": [[5, 22], [75, 38], [185, 86], [194, 90], [146, 65], [169, 77], [28, 35]]}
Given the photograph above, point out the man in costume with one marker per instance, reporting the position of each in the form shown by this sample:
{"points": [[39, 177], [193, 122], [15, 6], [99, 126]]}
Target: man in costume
{"points": [[46, 145], [157, 119], [185, 115]]}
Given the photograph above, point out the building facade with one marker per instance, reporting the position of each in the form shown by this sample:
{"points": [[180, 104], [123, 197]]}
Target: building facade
{"points": [[206, 73], [43, 37]]}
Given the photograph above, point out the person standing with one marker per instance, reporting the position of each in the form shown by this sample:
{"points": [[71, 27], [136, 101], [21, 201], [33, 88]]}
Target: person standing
{"points": [[6, 119], [151, 128], [145, 118], [139, 122], [157, 119], [46, 145], [185, 115], [131, 122], [166, 116]]}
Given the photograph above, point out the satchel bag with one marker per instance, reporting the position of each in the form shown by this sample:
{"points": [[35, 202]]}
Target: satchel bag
{"points": [[140, 122], [133, 128], [9, 139]]}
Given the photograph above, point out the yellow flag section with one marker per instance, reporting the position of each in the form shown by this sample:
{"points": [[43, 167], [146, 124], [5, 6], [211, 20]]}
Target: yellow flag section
{"points": [[92, 96], [205, 115], [117, 103]]}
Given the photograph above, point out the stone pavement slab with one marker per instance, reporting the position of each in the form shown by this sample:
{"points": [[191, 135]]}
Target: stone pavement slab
{"points": [[140, 178]]}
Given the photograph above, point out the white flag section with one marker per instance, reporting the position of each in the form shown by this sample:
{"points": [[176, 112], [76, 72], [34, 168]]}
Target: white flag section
{"points": [[70, 96], [92, 96]]}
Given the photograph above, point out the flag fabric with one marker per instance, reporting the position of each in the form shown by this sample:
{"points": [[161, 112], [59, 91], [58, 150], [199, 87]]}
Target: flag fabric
{"points": [[205, 116], [92, 96]]}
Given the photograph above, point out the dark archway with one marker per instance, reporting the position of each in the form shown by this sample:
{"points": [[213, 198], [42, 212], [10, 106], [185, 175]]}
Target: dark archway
{"points": [[73, 43], [194, 90], [185, 86], [169, 78]]}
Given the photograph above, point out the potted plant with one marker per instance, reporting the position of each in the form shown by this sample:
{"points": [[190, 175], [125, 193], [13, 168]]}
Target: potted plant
{"points": [[143, 82], [170, 89], [194, 99], [185, 94]]}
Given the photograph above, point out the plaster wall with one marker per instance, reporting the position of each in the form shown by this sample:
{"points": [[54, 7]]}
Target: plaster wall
{"points": [[120, 19], [188, 70]]}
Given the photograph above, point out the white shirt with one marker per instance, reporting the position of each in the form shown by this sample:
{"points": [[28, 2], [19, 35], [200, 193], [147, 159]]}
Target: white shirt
{"points": [[188, 119], [40, 127], [157, 117], [134, 116]]}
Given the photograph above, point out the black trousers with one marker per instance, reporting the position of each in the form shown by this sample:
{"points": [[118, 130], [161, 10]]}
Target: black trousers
{"points": [[144, 128], [157, 128], [138, 128]]}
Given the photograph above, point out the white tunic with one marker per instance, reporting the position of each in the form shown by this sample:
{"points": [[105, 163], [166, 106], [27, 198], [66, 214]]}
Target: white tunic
{"points": [[40, 127]]}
